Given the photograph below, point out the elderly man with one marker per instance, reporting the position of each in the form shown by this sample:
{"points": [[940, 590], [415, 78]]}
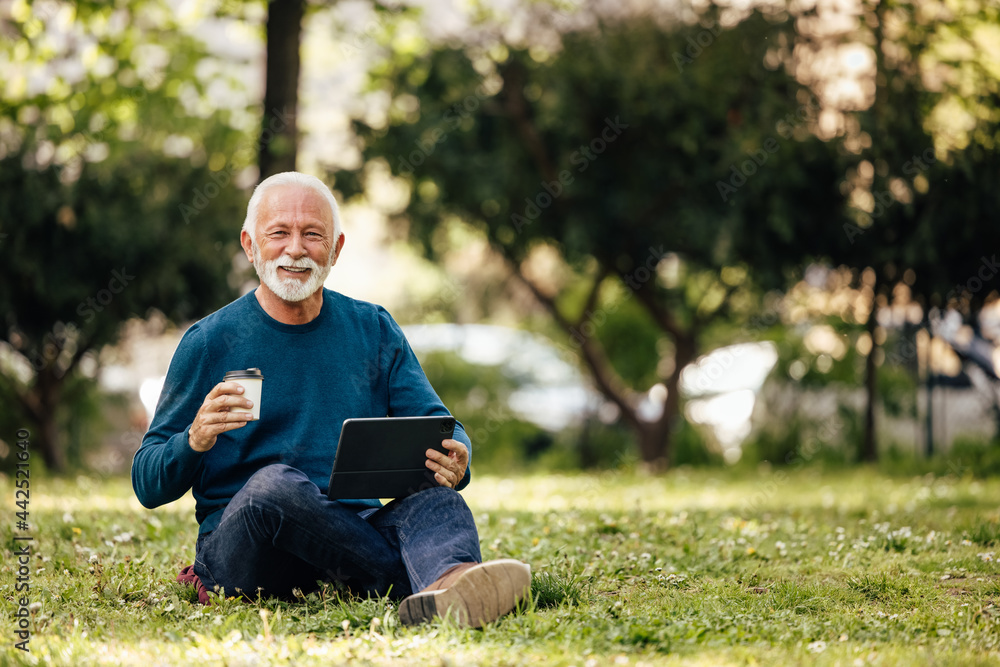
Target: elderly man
{"points": [[266, 524]]}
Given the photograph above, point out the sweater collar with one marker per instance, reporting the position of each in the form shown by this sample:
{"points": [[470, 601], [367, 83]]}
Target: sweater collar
{"points": [[262, 315]]}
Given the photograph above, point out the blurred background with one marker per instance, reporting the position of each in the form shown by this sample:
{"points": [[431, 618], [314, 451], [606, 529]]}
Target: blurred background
{"points": [[619, 234]]}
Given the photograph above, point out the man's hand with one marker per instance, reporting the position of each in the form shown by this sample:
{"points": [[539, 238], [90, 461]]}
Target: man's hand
{"points": [[214, 416], [448, 469]]}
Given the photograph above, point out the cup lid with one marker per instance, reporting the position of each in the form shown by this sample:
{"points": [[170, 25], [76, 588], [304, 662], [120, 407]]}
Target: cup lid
{"points": [[248, 374]]}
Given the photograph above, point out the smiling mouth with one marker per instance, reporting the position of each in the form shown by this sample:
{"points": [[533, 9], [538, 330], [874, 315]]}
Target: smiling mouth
{"points": [[294, 271]]}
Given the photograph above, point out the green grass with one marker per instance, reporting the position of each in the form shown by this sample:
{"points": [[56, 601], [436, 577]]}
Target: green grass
{"points": [[689, 568]]}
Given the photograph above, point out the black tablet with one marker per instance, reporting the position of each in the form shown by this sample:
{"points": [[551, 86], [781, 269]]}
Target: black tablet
{"points": [[384, 457]]}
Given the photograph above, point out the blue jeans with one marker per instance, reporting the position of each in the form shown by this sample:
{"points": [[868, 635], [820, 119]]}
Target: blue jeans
{"points": [[281, 532]]}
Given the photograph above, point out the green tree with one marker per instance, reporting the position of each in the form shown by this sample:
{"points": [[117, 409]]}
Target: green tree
{"points": [[651, 158], [116, 195], [921, 188]]}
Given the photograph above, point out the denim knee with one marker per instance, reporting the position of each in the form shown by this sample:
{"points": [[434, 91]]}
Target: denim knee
{"points": [[441, 496], [435, 502], [279, 482]]}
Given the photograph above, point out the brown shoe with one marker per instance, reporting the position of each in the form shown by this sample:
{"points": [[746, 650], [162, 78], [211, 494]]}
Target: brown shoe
{"points": [[471, 594]]}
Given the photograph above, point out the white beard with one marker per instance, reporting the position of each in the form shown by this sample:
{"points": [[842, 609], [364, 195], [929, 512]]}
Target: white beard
{"points": [[290, 289]]}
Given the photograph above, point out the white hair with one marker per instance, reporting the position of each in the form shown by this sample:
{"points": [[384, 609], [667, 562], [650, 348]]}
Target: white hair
{"points": [[290, 178]]}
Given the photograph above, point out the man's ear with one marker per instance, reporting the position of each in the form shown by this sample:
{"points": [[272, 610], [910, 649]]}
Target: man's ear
{"points": [[338, 248], [247, 244]]}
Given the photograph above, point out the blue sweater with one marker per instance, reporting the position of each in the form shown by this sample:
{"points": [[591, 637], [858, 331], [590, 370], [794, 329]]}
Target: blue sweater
{"points": [[351, 361]]}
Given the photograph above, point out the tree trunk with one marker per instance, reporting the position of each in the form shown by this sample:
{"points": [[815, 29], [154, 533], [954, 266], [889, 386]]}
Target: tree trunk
{"points": [[869, 449], [656, 438], [929, 415], [279, 129], [47, 392], [654, 444]]}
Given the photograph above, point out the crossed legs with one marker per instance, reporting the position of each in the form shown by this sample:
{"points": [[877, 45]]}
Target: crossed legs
{"points": [[281, 532]]}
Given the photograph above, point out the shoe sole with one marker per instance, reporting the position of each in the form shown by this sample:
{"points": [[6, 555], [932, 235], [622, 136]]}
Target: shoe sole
{"points": [[481, 595]]}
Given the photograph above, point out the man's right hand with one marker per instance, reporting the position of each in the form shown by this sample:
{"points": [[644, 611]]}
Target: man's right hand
{"points": [[214, 416]]}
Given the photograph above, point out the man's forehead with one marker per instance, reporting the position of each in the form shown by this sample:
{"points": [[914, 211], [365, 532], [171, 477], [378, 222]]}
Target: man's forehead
{"points": [[281, 200]]}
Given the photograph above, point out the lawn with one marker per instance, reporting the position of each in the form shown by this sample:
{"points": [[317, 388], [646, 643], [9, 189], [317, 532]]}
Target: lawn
{"points": [[690, 568]]}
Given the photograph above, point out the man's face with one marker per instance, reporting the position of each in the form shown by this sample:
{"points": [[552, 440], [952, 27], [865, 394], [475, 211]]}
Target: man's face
{"points": [[294, 249]]}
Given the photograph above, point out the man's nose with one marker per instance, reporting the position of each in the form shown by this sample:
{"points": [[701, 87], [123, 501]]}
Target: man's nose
{"points": [[296, 248]]}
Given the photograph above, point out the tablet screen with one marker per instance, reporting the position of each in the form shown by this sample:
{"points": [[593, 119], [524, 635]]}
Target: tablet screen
{"points": [[384, 457]]}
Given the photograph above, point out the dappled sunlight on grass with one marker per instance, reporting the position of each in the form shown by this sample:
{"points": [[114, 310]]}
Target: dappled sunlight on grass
{"points": [[693, 567], [850, 491], [87, 493], [684, 489]]}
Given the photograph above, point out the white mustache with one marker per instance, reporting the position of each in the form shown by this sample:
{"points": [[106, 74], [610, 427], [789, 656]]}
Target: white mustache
{"points": [[301, 263], [284, 285]]}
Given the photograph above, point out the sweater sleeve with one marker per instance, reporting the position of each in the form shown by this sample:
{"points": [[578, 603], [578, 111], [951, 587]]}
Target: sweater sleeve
{"points": [[165, 467], [410, 392]]}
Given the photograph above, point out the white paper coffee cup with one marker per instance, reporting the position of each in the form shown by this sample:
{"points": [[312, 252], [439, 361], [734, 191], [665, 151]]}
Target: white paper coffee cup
{"points": [[252, 381]]}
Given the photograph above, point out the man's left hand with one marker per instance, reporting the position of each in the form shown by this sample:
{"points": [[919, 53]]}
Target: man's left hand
{"points": [[449, 469]]}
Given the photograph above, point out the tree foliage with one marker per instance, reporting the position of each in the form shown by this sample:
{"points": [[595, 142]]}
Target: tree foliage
{"points": [[679, 165], [632, 149], [921, 165], [115, 194]]}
